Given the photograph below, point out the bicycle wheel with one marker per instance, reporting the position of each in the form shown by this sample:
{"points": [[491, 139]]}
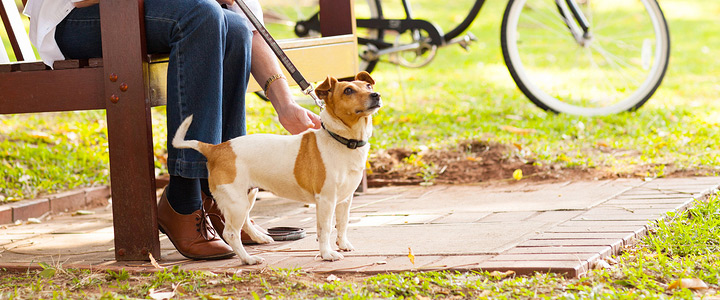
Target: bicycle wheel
{"points": [[375, 11], [619, 68]]}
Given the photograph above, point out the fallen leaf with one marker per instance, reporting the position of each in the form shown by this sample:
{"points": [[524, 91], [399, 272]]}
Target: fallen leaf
{"points": [[83, 212], [160, 295], [382, 262], [33, 221], [472, 158], [517, 174], [411, 256], [154, 262], [516, 130], [499, 275], [688, 283], [518, 146], [602, 264]]}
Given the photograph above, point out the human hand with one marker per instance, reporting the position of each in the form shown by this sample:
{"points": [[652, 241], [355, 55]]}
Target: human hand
{"points": [[296, 119]]}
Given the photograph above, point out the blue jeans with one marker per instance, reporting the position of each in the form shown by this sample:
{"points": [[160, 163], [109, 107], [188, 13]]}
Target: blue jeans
{"points": [[208, 72]]}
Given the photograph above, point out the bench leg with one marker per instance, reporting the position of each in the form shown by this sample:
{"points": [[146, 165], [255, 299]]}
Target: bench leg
{"points": [[132, 180], [132, 171]]}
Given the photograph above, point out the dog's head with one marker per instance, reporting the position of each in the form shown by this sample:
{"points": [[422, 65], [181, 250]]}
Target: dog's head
{"points": [[350, 100]]}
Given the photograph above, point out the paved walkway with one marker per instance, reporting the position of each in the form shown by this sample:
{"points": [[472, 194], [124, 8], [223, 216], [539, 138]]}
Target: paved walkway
{"points": [[525, 227]]}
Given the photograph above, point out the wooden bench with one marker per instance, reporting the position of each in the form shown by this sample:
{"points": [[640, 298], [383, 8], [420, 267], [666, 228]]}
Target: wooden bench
{"points": [[126, 82]]}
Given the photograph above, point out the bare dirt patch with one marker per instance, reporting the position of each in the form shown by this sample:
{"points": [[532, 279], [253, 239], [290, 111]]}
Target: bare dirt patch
{"points": [[482, 161]]}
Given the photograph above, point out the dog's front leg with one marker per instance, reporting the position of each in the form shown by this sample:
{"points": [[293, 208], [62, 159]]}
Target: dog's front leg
{"points": [[325, 210], [342, 215]]}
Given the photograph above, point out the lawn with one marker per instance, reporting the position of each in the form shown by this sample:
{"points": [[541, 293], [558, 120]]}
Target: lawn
{"points": [[460, 96]]}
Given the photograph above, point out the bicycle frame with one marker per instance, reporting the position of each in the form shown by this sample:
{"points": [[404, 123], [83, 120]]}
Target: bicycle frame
{"points": [[568, 9]]}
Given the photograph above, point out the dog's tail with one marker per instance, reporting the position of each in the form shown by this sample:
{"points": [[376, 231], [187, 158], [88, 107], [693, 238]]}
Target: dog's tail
{"points": [[179, 139]]}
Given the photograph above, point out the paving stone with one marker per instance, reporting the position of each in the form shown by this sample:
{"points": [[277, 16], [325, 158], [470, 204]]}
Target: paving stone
{"points": [[97, 195], [461, 217], [67, 201], [458, 263], [602, 250], [30, 209], [5, 214], [603, 224], [619, 216], [414, 219], [658, 195], [624, 236], [448, 239], [578, 257], [351, 264], [667, 206], [594, 229], [554, 216], [402, 263], [647, 201], [567, 268], [507, 216], [615, 244]]}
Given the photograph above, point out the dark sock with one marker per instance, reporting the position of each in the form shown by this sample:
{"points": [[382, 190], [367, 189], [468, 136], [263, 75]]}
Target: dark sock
{"points": [[205, 187], [184, 194]]}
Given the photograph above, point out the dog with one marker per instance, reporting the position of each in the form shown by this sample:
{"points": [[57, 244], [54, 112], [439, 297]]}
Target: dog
{"points": [[323, 166]]}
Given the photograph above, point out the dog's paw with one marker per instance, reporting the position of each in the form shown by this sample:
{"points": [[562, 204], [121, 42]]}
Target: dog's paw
{"points": [[345, 245], [253, 260], [262, 239], [332, 255]]}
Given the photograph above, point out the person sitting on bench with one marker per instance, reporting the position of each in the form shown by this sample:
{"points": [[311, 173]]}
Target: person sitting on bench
{"points": [[213, 51]]}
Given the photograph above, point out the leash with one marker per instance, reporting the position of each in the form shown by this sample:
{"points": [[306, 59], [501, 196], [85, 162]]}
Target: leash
{"points": [[306, 87]]}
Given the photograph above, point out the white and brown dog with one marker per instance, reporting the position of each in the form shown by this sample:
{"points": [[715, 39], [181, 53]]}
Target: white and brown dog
{"points": [[317, 166]]}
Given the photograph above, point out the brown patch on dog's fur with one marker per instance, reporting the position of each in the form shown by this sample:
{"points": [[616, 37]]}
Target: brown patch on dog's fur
{"points": [[221, 163], [309, 167]]}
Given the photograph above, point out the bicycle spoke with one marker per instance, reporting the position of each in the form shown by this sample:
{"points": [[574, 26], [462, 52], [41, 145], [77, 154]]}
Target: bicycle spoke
{"points": [[615, 62], [556, 32]]}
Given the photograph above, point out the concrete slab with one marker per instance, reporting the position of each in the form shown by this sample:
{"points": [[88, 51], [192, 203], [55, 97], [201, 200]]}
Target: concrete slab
{"points": [[526, 227]]}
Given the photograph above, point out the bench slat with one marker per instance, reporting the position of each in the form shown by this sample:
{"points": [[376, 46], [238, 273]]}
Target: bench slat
{"points": [[58, 90]]}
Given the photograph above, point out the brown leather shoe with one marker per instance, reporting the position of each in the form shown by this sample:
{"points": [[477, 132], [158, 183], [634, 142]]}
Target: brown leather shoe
{"points": [[192, 235], [218, 221]]}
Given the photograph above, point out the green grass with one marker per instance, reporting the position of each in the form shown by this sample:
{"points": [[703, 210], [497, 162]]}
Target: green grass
{"points": [[459, 96], [684, 247]]}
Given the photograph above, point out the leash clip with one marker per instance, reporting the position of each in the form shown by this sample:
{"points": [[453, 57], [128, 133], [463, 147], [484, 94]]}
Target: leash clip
{"points": [[310, 91]]}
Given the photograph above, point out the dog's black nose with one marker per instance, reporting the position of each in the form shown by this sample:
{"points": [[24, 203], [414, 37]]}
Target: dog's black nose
{"points": [[375, 96]]}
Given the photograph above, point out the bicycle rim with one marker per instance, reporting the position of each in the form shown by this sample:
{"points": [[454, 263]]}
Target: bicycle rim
{"points": [[619, 69]]}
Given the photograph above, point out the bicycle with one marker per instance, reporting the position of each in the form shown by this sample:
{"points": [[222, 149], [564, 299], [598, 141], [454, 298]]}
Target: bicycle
{"points": [[581, 57]]}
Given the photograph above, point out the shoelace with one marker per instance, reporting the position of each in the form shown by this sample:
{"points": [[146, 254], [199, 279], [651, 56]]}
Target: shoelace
{"points": [[204, 225]]}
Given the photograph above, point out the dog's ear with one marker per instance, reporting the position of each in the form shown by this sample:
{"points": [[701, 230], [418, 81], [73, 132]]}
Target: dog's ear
{"points": [[364, 76], [325, 87]]}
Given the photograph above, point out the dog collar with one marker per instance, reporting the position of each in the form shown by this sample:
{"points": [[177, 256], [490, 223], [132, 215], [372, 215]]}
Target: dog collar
{"points": [[350, 143]]}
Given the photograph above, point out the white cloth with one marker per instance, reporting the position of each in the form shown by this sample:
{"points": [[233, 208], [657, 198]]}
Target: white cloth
{"points": [[45, 15]]}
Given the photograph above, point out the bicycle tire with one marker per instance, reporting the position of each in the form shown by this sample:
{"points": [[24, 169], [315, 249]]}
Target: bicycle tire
{"points": [[375, 12], [593, 80]]}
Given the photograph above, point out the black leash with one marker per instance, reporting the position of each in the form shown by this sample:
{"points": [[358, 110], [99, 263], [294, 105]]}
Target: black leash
{"points": [[306, 87]]}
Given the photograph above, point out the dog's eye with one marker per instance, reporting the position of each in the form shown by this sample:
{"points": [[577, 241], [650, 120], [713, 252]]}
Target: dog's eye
{"points": [[348, 91], [369, 86]]}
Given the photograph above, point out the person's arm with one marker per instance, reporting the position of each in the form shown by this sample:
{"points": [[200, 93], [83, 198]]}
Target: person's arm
{"points": [[293, 117]]}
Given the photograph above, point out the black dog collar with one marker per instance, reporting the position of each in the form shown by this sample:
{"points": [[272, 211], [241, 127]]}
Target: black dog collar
{"points": [[350, 143]]}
